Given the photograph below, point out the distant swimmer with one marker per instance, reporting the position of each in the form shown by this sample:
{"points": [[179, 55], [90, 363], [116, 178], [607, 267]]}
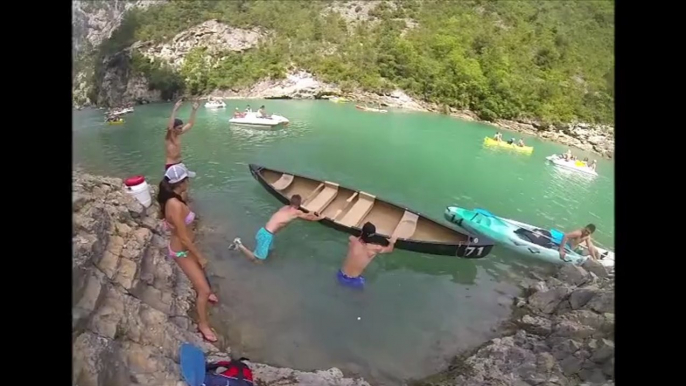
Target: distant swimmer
{"points": [[361, 252], [573, 239], [265, 235]]}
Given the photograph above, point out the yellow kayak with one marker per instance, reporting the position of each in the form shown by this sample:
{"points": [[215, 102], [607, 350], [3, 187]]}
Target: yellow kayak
{"points": [[488, 141], [119, 122]]}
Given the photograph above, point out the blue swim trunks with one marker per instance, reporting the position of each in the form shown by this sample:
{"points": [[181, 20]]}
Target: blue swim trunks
{"points": [[352, 282], [264, 240]]}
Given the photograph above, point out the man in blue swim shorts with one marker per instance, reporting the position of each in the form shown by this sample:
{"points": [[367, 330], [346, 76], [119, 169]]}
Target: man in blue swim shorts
{"points": [[265, 236], [361, 252], [573, 240]]}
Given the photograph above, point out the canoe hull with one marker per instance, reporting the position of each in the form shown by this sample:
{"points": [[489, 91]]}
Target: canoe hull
{"points": [[469, 246], [504, 231]]}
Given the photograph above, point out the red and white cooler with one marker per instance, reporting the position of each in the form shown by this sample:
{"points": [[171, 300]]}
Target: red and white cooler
{"points": [[138, 187]]}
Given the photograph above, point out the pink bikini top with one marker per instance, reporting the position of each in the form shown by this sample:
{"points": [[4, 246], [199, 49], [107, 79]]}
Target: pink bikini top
{"points": [[189, 219]]}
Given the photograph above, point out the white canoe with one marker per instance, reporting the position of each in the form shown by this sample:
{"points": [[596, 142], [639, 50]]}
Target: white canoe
{"points": [[215, 105], [570, 165], [251, 119]]}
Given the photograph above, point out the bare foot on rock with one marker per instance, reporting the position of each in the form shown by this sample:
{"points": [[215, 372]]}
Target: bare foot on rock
{"points": [[207, 333]]}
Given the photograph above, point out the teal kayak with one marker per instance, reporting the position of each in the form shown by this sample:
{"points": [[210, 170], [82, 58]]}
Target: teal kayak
{"points": [[522, 238]]}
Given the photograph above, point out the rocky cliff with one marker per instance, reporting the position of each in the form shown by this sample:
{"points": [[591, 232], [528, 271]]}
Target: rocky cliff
{"points": [[131, 304]]}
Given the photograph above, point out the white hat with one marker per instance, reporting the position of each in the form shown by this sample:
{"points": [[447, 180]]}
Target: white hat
{"points": [[177, 173]]}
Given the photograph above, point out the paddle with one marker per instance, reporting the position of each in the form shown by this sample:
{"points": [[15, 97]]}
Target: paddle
{"points": [[192, 364]]}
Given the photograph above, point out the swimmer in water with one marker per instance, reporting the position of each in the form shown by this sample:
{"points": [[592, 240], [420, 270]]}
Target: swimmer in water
{"points": [[265, 235]]}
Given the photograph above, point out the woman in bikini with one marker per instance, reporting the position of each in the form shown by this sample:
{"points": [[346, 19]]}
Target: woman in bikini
{"points": [[181, 248]]}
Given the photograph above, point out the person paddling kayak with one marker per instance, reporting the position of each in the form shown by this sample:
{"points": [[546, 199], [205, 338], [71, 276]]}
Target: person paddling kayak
{"points": [[573, 239]]}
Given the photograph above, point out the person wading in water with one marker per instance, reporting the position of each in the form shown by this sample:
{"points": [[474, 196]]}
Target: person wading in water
{"points": [[265, 235], [361, 252], [172, 140], [181, 248]]}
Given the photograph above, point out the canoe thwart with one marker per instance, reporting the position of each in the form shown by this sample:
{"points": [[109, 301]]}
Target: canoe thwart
{"points": [[359, 211], [348, 202], [323, 199], [312, 194], [406, 227], [285, 181]]}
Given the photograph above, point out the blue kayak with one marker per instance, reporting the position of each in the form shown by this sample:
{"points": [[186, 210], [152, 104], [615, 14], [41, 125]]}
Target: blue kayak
{"points": [[525, 239]]}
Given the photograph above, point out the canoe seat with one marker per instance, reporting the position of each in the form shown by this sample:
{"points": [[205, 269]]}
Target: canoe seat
{"points": [[283, 182], [406, 227], [323, 199], [359, 211]]}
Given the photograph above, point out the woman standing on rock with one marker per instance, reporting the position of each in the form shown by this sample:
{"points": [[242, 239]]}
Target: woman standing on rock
{"points": [[181, 249]]}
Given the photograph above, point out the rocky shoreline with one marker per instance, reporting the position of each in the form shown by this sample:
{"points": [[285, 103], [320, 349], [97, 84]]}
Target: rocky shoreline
{"points": [[131, 312], [561, 334], [597, 139], [131, 304]]}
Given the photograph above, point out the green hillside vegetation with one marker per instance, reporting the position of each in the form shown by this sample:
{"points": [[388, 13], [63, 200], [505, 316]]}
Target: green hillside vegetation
{"points": [[549, 60]]}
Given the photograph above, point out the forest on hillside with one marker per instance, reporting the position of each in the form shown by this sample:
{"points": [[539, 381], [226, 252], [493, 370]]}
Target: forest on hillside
{"points": [[547, 60]]}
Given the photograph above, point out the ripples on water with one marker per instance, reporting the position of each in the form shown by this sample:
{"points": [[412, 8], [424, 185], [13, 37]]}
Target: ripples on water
{"points": [[418, 311]]}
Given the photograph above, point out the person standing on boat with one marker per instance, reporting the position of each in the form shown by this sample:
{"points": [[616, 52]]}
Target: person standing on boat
{"points": [[573, 239], [265, 235], [172, 140], [361, 252]]}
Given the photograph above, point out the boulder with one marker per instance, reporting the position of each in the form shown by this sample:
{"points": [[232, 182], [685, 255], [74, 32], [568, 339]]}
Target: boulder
{"points": [[547, 301]]}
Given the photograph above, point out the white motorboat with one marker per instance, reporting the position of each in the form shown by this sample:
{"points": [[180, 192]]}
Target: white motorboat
{"points": [[215, 104], [578, 166], [370, 109], [252, 119], [123, 111]]}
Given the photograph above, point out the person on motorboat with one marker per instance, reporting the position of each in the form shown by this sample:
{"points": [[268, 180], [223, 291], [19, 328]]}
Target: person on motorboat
{"points": [[361, 252], [248, 109], [498, 136], [265, 235], [573, 240], [237, 113], [593, 164], [520, 143], [261, 113]]}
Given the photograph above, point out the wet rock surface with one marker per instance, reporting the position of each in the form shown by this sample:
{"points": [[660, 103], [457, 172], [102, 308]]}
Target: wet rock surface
{"points": [[562, 333], [131, 304]]}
